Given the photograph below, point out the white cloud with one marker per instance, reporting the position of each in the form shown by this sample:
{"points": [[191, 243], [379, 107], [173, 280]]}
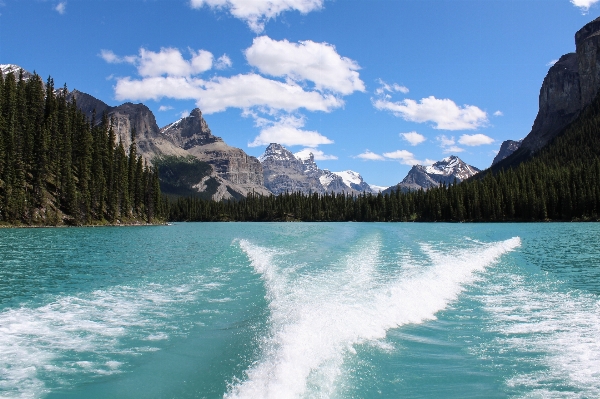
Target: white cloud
{"points": [[498, 113], [448, 144], [306, 61], [318, 154], [169, 61], [184, 114], [403, 156], [453, 149], [223, 62], [110, 57], [61, 7], [390, 88], [443, 112], [240, 91], [257, 12], [370, 156], [584, 5], [163, 108], [551, 63], [413, 138], [475, 139], [287, 131]]}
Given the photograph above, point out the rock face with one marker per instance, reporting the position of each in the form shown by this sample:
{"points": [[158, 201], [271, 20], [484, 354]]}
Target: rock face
{"points": [[570, 85], [190, 131], [229, 163], [284, 171], [234, 172], [445, 171], [506, 149]]}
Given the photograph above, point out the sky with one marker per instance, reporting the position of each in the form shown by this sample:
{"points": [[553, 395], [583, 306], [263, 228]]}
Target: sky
{"points": [[373, 86]]}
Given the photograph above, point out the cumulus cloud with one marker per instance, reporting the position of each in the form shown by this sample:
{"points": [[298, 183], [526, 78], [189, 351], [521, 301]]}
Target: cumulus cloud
{"points": [[163, 108], [223, 62], [370, 156], [168, 61], [306, 61], [287, 130], [403, 156], [498, 113], [61, 7], [584, 5], [475, 139], [413, 138], [389, 88], [184, 114], [443, 112], [448, 145], [317, 154], [239, 91], [257, 12]]}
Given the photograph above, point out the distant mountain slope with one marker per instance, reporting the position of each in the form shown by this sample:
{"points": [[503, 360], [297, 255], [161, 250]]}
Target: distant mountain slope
{"points": [[233, 169], [425, 177], [286, 172], [506, 150]]}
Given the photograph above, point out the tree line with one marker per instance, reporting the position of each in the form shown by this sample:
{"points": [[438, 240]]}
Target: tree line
{"points": [[57, 167], [561, 182]]}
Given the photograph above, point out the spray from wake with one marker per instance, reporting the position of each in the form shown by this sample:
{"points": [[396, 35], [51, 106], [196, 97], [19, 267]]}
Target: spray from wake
{"points": [[317, 318]]}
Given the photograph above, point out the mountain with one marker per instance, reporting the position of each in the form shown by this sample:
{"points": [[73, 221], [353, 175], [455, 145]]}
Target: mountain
{"points": [[506, 149], [284, 171], [5, 69], [232, 172], [231, 164], [425, 177], [570, 85]]}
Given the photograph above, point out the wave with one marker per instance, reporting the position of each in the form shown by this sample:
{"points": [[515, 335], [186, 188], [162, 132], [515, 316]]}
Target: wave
{"points": [[92, 334], [551, 334], [317, 318]]}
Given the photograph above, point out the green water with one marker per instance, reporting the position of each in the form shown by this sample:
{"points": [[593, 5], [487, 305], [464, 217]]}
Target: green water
{"points": [[293, 310]]}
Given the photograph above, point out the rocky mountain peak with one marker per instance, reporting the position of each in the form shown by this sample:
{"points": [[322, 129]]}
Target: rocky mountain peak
{"points": [[5, 69], [190, 131], [506, 149], [452, 166], [445, 171], [277, 152]]}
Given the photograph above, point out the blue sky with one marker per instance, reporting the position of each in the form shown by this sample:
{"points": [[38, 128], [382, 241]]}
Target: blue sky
{"points": [[369, 85]]}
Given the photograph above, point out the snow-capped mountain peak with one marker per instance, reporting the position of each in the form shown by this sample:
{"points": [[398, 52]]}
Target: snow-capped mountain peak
{"points": [[5, 69]]}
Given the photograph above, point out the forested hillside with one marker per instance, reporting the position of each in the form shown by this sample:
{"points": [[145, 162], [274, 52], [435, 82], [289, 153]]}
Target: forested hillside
{"points": [[57, 167], [560, 182]]}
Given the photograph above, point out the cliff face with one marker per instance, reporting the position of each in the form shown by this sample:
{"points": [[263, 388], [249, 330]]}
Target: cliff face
{"points": [[229, 163], [559, 103], [234, 173], [570, 85], [284, 172]]}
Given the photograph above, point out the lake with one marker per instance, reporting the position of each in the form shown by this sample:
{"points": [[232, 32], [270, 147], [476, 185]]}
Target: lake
{"points": [[301, 310]]}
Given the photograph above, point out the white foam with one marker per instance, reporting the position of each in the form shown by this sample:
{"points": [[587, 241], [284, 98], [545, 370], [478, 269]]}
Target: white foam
{"points": [[554, 333], [318, 317], [81, 334]]}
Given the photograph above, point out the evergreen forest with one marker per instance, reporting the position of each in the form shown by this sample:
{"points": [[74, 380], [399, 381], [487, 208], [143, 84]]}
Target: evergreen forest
{"points": [[561, 182], [58, 168]]}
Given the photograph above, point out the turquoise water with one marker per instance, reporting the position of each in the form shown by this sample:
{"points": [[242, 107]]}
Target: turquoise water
{"points": [[300, 310]]}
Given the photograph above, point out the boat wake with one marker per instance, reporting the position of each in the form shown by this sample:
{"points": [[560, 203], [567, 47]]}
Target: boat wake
{"points": [[318, 317]]}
